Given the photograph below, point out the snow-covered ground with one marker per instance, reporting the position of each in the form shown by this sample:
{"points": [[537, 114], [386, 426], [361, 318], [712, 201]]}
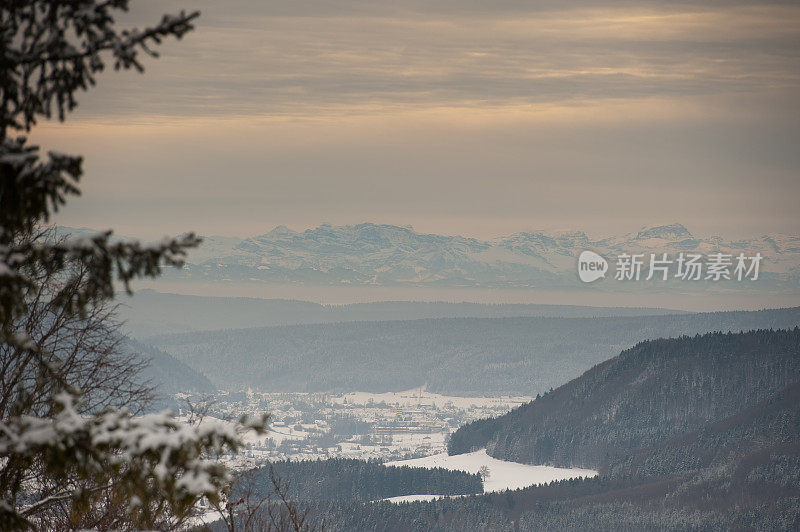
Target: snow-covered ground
{"points": [[502, 475], [421, 397]]}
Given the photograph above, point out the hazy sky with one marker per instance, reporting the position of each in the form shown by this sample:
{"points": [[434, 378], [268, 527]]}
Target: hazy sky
{"points": [[459, 116]]}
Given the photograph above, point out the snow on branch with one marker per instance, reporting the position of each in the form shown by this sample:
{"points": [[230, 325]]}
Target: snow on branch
{"points": [[51, 50], [152, 457]]}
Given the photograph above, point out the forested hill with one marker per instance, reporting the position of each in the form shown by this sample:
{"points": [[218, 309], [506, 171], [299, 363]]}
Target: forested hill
{"points": [[765, 438], [149, 313], [505, 356], [738, 473], [167, 374], [350, 479], [652, 392]]}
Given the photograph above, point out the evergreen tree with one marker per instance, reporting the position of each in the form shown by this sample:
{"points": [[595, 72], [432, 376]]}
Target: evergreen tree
{"points": [[64, 465]]}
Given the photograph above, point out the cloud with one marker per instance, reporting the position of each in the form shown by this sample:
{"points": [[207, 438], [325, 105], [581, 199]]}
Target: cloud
{"points": [[298, 58], [484, 116]]}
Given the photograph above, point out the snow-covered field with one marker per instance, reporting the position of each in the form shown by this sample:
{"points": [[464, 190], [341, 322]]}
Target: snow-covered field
{"points": [[421, 397], [502, 475]]}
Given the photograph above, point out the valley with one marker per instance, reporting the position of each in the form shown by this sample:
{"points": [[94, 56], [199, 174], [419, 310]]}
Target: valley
{"points": [[312, 426]]}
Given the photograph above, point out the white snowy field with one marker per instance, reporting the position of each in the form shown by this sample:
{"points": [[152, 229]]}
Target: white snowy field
{"points": [[503, 475], [421, 397]]}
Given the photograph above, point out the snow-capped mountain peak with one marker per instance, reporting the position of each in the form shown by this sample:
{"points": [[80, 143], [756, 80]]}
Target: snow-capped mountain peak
{"points": [[672, 232], [381, 254]]}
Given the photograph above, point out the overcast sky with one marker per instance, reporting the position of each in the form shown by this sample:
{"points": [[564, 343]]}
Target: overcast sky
{"points": [[477, 118]]}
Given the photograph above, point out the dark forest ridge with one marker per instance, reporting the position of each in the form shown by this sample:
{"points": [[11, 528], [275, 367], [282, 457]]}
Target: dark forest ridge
{"points": [[504, 356], [648, 394], [150, 312]]}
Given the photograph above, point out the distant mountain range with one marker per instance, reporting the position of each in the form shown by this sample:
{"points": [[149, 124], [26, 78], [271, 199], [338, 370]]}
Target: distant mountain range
{"points": [[370, 254], [387, 255]]}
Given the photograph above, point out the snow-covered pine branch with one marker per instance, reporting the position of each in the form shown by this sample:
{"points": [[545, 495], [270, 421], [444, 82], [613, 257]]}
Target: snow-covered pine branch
{"points": [[30, 192], [63, 464], [50, 50], [155, 462]]}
